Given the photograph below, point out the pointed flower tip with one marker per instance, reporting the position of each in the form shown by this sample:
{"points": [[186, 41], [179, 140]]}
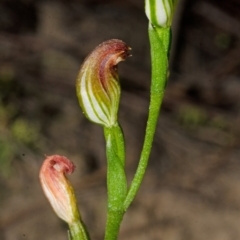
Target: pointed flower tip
{"points": [[57, 188], [160, 12], [98, 88]]}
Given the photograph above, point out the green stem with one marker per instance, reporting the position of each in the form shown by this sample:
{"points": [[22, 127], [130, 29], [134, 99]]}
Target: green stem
{"points": [[116, 180], [78, 231], [115, 137], [114, 220], [159, 43]]}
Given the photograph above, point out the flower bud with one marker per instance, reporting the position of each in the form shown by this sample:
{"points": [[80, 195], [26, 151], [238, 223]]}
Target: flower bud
{"points": [[160, 12], [58, 189], [98, 87]]}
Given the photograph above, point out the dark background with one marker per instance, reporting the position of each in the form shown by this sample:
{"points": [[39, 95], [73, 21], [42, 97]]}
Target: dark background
{"points": [[192, 186]]}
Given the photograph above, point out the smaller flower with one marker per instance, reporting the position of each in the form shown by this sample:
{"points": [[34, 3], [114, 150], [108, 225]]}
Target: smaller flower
{"points": [[58, 189], [98, 87], [160, 12]]}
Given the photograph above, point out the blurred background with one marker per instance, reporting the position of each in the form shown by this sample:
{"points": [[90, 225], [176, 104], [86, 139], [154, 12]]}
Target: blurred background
{"points": [[192, 186]]}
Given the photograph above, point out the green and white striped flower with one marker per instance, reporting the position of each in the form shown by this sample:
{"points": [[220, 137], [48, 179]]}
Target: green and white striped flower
{"points": [[98, 87], [160, 12]]}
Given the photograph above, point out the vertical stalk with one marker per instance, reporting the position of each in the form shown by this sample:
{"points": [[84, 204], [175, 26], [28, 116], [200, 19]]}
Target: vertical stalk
{"points": [[114, 219], [159, 44], [116, 180]]}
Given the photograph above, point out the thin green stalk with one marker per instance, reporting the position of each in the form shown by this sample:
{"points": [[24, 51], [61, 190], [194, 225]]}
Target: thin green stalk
{"points": [[159, 43], [116, 180], [77, 231]]}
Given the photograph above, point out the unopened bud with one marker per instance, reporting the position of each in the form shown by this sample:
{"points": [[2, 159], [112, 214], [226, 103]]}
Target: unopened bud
{"points": [[160, 12]]}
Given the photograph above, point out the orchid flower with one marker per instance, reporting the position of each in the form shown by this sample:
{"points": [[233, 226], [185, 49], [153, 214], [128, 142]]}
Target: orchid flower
{"points": [[98, 87], [58, 189]]}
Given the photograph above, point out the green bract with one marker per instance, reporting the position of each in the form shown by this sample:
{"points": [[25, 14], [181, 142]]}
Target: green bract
{"points": [[98, 88], [160, 12]]}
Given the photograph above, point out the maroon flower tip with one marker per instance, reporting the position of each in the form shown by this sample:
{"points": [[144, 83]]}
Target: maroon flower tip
{"points": [[59, 163]]}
